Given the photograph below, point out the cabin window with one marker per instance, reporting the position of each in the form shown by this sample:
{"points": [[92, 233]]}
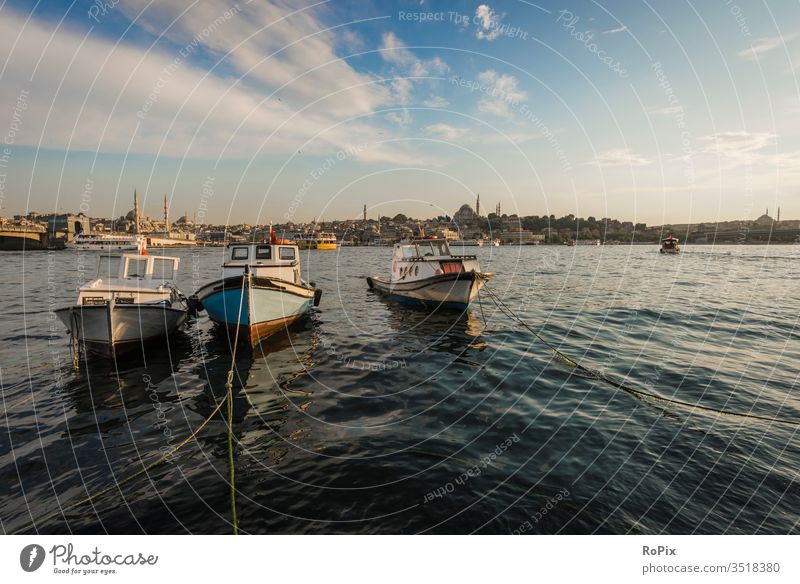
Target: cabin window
{"points": [[239, 253], [108, 266], [409, 251], [264, 252], [425, 249], [441, 248], [287, 253], [163, 269], [136, 268]]}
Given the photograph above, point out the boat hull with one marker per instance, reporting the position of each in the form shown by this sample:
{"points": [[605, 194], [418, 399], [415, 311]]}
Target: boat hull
{"points": [[325, 246], [444, 291], [268, 305], [112, 329], [670, 251]]}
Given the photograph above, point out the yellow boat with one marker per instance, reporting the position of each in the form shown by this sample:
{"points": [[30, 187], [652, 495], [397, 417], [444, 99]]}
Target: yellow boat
{"points": [[316, 241], [325, 241]]}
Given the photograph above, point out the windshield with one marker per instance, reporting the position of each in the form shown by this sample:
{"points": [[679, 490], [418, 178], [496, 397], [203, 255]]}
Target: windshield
{"points": [[108, 266], [163, 269]]}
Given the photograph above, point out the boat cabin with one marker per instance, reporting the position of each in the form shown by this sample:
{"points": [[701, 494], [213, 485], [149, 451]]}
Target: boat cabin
{"points": [[131, 279], [425, 258], [279, 260]]}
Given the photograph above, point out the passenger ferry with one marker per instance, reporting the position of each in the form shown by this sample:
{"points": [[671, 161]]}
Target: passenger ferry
{"points": [[316, 240], [261, 291], [425, 272], [466, 242], [106, 242]]}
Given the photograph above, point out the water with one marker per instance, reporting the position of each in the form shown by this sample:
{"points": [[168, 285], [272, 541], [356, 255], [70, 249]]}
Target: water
{"points": [[376, 418]]}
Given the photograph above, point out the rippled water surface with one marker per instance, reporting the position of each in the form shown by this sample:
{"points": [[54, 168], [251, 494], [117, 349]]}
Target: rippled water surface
{"points": [[376, 418]]}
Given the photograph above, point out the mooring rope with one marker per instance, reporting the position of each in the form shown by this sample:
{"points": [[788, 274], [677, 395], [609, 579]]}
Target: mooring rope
{"points": [[167, 455], [508, 311]]}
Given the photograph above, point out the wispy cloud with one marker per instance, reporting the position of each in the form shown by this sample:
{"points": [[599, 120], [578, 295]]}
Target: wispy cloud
{"points": [[436, 101], [446, 131], [616, 30], [738, 145], [502, 92], [619, 157], [765, 45], [401, 118], [394, 51], [488, 22], [166, 101]]}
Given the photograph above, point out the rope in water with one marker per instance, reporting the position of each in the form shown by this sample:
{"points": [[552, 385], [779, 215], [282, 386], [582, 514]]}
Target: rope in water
{"points": [[508, 311], [167, 455]]}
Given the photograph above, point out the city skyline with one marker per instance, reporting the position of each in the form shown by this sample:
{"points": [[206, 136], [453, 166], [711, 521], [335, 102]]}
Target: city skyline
{"points": [[244, 112]]}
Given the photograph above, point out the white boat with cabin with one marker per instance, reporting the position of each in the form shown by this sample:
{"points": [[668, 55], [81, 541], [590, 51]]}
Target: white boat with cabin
{"points": [[132, 301], [424, 271]]}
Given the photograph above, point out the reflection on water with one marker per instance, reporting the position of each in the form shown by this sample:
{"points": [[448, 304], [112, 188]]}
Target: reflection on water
{"points": [[349, 421]]}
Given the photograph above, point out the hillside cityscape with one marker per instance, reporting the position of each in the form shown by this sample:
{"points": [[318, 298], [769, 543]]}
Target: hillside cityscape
{"points": [[467, 223]]}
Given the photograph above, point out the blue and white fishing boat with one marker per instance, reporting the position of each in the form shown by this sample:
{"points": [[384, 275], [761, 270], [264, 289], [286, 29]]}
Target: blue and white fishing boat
{"points": [[261, 290]]}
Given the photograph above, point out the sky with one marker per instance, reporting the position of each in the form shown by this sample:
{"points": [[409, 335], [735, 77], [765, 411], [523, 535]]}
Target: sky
{"points": [[653, 111]]}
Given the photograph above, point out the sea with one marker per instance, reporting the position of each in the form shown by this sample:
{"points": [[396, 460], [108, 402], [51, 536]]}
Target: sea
{"points": [[371, 417]]}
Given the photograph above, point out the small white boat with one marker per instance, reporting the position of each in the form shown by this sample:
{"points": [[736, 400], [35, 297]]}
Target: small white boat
{"points": [[425, 272], [670, 245], [133, 300], [106, 242], [261, 290]]}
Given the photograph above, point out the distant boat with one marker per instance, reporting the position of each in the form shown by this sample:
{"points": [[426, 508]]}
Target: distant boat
{"points": [[466, 242], [261, 290], [592, 242], [106, 242], [425, 272], [316, 240], [670, 245], [133, 300]]}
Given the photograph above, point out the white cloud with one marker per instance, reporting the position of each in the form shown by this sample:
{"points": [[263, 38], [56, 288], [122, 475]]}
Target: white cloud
{"points": [[665, 111], [489, 23], [619, 157], [403, 118], [446, 131], [394, 51], [739, 145], [502, 93], [196, 113], [401, 90], [616, 30], [765, 45], [436, 101]]}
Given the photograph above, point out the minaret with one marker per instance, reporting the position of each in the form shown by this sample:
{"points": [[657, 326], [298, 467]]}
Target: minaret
{"points": [[497, 211], [135, 211], [779, 215], [478, 206], [365, 212], [166, 216]]}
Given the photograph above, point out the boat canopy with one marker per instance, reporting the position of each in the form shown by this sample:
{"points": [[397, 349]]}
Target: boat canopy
{"points": [[132, 266], [422, 248], [262, 253]]}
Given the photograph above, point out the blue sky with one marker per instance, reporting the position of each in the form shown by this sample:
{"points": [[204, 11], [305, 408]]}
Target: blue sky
{"points": [[646, 111]]}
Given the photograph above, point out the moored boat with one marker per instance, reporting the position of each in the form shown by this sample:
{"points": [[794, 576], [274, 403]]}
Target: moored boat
{"points": [[670, 245], [132, 301], [261, 290], [425, 272]]}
